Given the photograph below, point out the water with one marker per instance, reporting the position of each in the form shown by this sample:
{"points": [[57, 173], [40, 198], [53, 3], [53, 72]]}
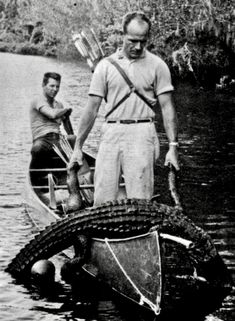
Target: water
{"points": [[206, 179]]}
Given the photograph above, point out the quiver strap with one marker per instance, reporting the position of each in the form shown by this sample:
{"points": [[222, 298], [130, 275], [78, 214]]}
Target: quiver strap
{"points": [[131, 86]]}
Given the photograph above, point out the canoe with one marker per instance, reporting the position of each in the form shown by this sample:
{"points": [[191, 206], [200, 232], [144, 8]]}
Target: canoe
{"points": [[150, 254]]}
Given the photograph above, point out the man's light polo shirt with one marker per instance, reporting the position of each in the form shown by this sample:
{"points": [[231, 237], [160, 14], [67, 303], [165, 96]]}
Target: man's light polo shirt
{"points": [[149, 74]]}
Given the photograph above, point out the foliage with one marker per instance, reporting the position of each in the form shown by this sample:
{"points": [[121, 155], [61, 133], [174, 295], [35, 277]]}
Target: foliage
{"points": [[207, 26], [7, 47], [29, 49]]}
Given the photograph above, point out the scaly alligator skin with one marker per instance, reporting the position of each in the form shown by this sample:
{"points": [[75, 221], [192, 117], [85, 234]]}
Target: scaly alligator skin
{"points": [[119, 219]]}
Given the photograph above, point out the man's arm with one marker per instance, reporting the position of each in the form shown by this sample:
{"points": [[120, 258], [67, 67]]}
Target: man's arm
{"points": [[85, 125], [54, 113], [171, 127]]}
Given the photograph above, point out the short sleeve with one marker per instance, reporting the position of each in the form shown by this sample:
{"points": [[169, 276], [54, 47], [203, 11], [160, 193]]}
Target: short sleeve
{"points": [[98, 86], [163, 79], [39, 103]]}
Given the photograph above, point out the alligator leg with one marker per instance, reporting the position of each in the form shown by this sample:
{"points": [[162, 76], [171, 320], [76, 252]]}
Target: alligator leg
{"points": [[72, 268]]}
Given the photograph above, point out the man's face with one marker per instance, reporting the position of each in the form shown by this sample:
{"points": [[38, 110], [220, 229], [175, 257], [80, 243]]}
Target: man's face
{"points": [[135, 39], [51, 88]]}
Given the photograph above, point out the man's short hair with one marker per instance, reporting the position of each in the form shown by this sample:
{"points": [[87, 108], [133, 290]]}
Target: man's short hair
{"points": [[48, 75], [138, 15]]}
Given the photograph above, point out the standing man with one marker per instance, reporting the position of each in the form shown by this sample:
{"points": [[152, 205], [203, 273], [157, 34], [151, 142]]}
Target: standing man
{"points": [[129, 143], [46, 116]]}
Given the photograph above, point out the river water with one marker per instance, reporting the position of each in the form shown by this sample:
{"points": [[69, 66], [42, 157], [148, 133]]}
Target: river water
{"points": [[206, 179]]}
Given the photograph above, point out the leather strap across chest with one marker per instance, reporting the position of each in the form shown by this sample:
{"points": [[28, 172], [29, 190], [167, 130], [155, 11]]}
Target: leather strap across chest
{"points": [[131, 86]]}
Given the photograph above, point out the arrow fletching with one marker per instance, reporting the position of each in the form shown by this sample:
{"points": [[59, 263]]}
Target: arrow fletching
{"points": [[88, 46]]}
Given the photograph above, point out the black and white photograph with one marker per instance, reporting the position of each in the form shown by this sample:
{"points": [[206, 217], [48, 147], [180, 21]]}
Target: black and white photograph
{"points": [[117, 148]]}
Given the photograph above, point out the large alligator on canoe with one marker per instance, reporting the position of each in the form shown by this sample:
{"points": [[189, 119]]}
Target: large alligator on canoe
{"points": [[124, 218]]}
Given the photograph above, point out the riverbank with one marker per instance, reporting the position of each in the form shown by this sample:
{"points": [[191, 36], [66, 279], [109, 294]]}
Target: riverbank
{"points": [[27, 48], [202, 39], [209, 80]]}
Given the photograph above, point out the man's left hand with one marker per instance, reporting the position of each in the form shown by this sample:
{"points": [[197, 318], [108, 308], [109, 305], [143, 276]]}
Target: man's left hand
{"points": [[172, 158]]}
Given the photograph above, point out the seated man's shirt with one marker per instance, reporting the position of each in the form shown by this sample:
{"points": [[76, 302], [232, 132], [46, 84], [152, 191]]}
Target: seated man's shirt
{"points": [[41, 124]]}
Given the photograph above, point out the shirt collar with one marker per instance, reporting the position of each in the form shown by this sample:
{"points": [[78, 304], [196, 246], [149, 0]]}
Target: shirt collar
{"points": [[121, 55]]}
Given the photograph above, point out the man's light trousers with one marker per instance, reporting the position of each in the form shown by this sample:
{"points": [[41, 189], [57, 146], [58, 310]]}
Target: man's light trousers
{"points": [[129, 150]]}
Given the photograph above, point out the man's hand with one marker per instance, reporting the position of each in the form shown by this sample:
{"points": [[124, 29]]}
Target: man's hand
{"points": [[76, 160], [69, 111], [172, 157]]}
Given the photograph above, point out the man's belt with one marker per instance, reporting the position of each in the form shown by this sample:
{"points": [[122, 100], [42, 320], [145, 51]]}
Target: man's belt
{"points": [[129, 121]]}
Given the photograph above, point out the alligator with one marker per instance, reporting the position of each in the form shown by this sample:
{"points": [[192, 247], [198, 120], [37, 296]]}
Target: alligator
{"points": [[124, 218]]}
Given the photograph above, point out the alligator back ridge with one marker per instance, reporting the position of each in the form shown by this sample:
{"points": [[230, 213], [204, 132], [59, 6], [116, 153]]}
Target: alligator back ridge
{"points": [[122, 218]]}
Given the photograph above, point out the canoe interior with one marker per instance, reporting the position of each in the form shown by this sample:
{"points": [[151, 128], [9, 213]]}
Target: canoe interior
{"points": [[163, 272], [56, 171], [138, 269]]}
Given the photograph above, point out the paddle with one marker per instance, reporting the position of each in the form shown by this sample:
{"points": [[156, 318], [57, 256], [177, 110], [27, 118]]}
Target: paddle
{"points": [[68, 125]]}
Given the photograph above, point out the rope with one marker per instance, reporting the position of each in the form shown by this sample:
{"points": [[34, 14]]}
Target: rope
{"points": [[123, 239], [58, 152], [65, 145], [66, 148], [143, 299]]}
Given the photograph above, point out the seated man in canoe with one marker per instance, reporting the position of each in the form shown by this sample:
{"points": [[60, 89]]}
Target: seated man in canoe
{"points": [[46, 116]]}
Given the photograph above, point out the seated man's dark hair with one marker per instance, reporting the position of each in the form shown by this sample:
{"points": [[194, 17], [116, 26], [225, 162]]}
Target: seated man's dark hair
{"points": [[138, 15], [48, 75]]}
